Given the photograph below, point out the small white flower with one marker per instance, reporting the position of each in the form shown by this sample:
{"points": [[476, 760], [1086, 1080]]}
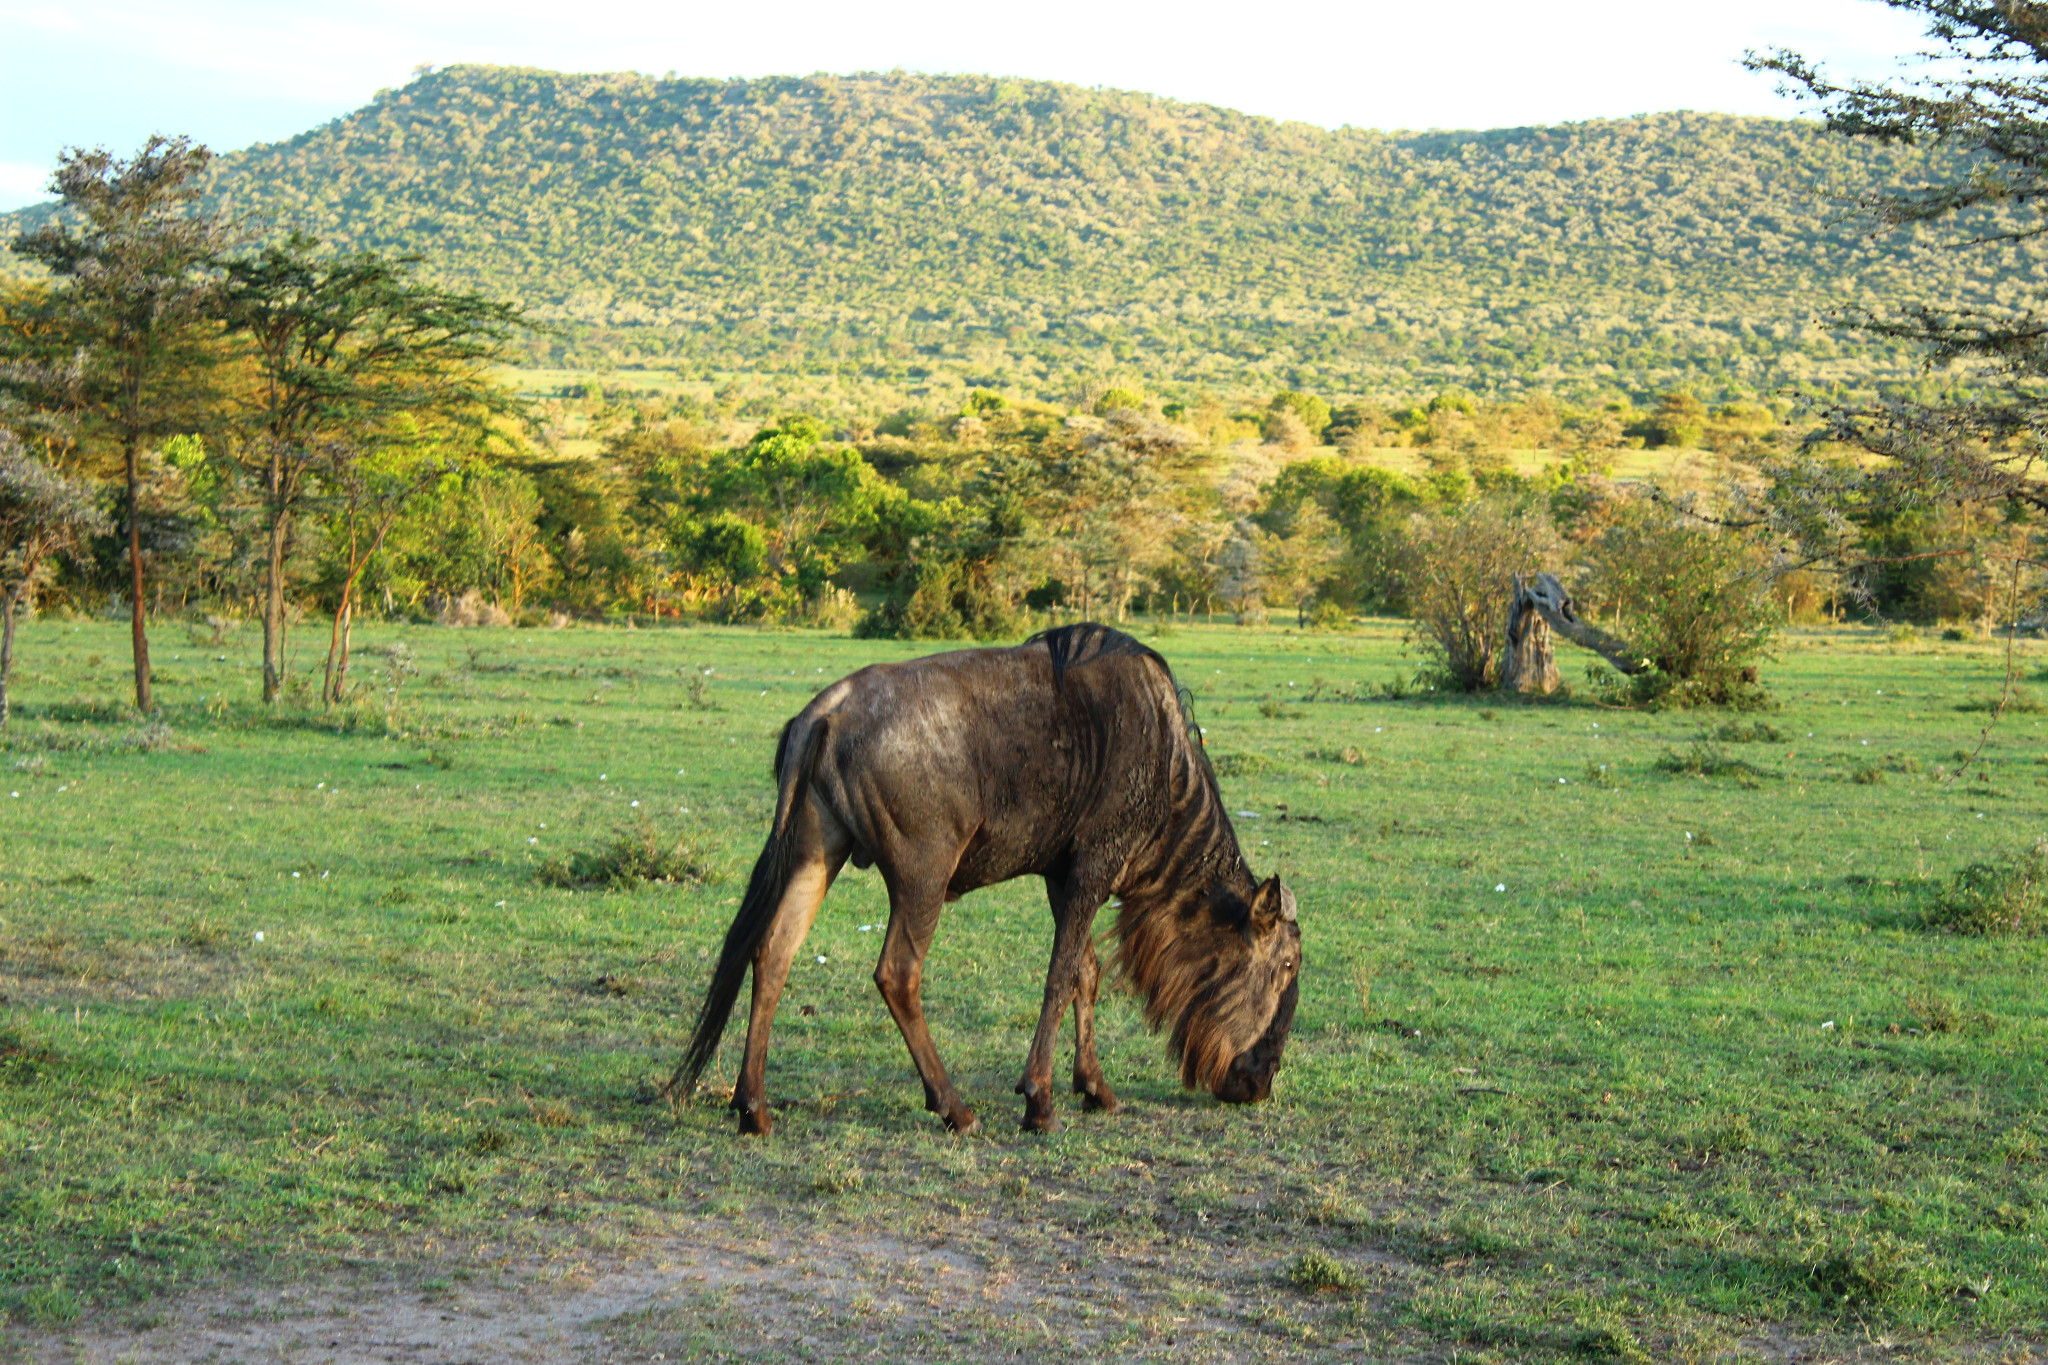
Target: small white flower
{"points": [[318, 785], [259, 936], [821, 961], [1500, 886], [543, 824], [1246, 814], [764, 691], [1866, 744], [323, 876], [63, 789], [533, 840], [1377, 728], [500, 905], [1831, 1023], [295, 876], [636, 805], [603, 777], [682, 810], [1561, 781], [867, 928]]}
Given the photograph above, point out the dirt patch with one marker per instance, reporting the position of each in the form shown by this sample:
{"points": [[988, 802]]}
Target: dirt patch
{"points": [[721, 1294]]}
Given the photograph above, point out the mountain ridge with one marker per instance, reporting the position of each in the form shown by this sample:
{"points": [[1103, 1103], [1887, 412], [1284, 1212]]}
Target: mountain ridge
{"points": [[931, 232]]}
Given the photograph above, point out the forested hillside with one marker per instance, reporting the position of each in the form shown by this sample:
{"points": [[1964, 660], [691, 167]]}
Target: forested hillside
{"points": [[932, 232]]}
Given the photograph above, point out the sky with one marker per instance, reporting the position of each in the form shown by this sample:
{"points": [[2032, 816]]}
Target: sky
{"points": [[233, 72]]}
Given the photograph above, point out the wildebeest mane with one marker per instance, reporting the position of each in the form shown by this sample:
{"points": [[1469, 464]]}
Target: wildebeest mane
{"points": [[1181, 926]]}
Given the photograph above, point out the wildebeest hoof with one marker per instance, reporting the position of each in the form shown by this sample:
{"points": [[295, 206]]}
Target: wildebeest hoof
{"points": [[756, 1122], [963, 1121], [1102, 1099]]}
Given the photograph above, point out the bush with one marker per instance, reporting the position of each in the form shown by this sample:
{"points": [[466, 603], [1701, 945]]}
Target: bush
{"points": [[1457, 570], [633, 856], [1708, 760], [1696, 601], [1317, 1273], [2002, 897], [941, 599]]}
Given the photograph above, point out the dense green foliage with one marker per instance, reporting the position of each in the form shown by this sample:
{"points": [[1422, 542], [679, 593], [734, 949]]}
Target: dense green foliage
{"points": [[1636, 1065], [927, 232]]}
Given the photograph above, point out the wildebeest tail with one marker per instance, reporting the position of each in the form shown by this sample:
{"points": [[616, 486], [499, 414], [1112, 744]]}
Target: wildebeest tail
{"points": [[757, 908]]}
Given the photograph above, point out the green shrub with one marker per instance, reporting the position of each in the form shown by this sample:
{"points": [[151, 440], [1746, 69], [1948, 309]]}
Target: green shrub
{"points": [[2020, 701], [1704, 759], [1456, 569], [632, 857], [2008, 896], [1314, 1272], [1693, 599], [1749, 732], [1869, 1270]]}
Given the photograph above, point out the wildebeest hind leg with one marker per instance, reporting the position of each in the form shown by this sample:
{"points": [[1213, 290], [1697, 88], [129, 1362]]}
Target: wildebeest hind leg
{"points": [[1088, 1081], [913, 917], [819, 862]]}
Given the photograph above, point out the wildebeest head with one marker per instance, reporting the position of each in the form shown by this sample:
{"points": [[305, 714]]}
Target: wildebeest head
{"points": [[1225, 982], [1274, 971]]}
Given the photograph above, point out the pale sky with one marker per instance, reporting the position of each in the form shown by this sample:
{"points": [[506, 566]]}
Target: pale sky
{"points": [[233, 72]]}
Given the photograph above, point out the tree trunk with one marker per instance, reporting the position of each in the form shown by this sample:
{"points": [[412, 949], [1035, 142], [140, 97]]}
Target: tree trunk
{"points": [[273, 611], [6, 651], [1529, 665], [137, 631]]}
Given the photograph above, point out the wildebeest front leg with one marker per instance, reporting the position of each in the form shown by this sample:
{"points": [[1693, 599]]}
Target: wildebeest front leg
{"points": [[1088, 1081], [1072, 954], [793, 916], [913, 917]]}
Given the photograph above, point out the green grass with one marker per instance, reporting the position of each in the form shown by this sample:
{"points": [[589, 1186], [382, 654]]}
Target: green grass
{"points": [[1644, 1067]]}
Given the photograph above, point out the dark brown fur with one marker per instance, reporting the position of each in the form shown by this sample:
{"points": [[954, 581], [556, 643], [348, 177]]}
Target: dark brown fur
{"points": [[1070, 757]]}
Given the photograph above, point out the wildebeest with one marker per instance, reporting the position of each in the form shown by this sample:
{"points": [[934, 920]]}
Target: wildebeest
{"points": [[1071, 757]]}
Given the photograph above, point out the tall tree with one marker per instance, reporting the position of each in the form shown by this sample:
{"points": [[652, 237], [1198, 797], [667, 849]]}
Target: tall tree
{"points": [[131, 252], [42, 514], [340, 346], [1983, 96]]}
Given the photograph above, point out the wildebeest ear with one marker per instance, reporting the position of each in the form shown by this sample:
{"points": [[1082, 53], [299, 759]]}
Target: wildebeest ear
{"points": [[1271, 903]]}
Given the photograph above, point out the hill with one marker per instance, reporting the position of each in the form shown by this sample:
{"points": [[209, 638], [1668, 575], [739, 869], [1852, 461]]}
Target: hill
{"points": [[927, 232]]}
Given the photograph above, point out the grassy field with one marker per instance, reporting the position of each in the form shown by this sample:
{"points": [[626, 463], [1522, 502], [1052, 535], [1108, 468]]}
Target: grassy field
{"points": [[1594, 1059]]}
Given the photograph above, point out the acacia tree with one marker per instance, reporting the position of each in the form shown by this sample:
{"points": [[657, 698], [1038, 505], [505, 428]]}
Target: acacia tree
{"points": [[339, 347], [374, 485], [1300, 561], [42, 514], [1984, 96], [131, 254]]}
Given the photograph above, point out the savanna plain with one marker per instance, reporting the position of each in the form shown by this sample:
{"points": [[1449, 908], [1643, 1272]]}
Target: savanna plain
{"points": [[1621, 1036]]}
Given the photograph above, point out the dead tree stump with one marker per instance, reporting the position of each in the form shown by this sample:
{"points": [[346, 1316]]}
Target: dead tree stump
{"points": [[1543, 596], [1529, 665]]}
